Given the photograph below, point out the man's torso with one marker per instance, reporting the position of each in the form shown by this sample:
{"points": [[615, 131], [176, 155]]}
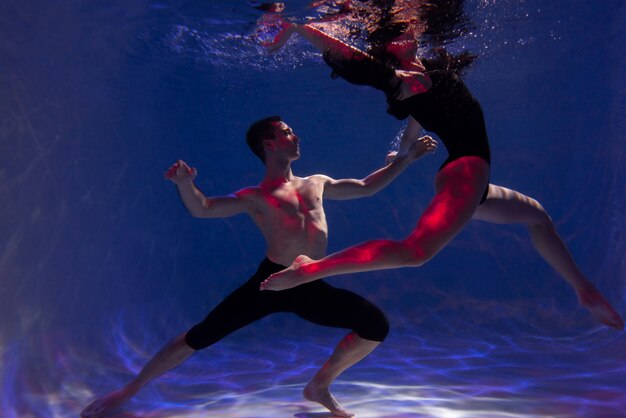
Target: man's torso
{"points": [[291, 217]]}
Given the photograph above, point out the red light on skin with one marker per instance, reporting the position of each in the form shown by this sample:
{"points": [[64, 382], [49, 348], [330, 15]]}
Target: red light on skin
{"points": [[173, 170], [308, 268], [304, 207], [368, 256], [273, 201], [347, 342]]}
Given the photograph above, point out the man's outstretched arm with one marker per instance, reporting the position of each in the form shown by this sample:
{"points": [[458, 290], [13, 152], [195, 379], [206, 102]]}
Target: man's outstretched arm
{"points": [[196, 202], [344, 189]]}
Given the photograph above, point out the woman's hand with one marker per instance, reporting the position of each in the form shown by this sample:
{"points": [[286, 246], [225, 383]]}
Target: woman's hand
{"points": [[285, 30]]}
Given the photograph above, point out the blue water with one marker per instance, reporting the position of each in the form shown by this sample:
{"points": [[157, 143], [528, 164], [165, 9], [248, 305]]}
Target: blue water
{"points": [[100, 264]]}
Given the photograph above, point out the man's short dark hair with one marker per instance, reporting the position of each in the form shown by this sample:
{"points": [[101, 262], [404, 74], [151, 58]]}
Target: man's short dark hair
{"points": [[258, 131]]}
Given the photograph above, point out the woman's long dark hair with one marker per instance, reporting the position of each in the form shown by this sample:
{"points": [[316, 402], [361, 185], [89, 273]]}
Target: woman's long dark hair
{"points": [[434, 23], [442, 60]]}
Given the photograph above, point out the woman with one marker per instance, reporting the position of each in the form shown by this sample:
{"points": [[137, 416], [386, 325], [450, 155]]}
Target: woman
{"points": [[430, 93]]}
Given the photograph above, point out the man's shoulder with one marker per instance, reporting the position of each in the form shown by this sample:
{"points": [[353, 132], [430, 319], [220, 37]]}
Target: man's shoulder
{"points": [[248, 192], [317, 178]]}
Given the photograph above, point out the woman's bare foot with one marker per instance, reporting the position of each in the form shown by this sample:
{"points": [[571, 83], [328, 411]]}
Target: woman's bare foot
{"points": [[290, 277], [322, 395], [106, 405], [600, 308]]}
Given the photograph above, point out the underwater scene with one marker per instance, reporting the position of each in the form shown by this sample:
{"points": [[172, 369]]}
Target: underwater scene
{"points": [[111, 109]]}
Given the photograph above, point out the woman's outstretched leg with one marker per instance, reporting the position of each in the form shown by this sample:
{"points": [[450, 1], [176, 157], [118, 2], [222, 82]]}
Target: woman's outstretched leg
{"points": [[459, 186], [506, 206]]}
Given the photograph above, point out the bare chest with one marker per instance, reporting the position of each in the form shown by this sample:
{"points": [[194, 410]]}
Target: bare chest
{"points": [[302, 201]]}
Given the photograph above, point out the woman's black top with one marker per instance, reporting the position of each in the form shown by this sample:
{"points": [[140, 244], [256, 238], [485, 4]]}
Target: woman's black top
{"points": [[447, 109]]}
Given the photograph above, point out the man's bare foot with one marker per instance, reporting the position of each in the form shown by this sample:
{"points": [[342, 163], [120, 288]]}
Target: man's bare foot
{"points": [[290, 277], [600, 308], [106, 405], [322, 395]]}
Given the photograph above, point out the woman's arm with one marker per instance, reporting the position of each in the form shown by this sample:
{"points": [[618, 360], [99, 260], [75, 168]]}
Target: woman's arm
{"points": [[412, 130], [324, 42], [400, 83]]}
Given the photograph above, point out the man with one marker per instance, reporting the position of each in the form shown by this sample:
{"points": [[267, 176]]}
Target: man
{"points": [[289, 212]]}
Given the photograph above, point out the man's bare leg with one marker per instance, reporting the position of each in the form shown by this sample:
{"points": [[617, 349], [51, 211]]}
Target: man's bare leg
{"points": [[505, 206], [350, 350], [170, 356]]}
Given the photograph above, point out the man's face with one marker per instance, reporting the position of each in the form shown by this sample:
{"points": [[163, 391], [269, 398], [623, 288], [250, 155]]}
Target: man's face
{"points": [[285, 141]]}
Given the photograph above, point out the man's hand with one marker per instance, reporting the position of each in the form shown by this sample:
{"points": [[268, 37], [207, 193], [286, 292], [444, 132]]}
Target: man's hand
{"points": [[417, 149], [180, 173], [420, 147]]}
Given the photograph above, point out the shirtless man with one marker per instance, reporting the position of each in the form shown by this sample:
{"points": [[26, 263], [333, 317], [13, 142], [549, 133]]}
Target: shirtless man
{"points": [[289, 212]]}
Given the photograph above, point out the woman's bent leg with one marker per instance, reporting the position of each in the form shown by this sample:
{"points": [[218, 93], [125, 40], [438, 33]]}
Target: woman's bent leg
{"points": [[506, 206]]}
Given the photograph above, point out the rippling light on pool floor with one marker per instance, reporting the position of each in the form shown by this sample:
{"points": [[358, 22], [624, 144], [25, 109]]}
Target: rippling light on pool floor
{"points": [[243, 377]]}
